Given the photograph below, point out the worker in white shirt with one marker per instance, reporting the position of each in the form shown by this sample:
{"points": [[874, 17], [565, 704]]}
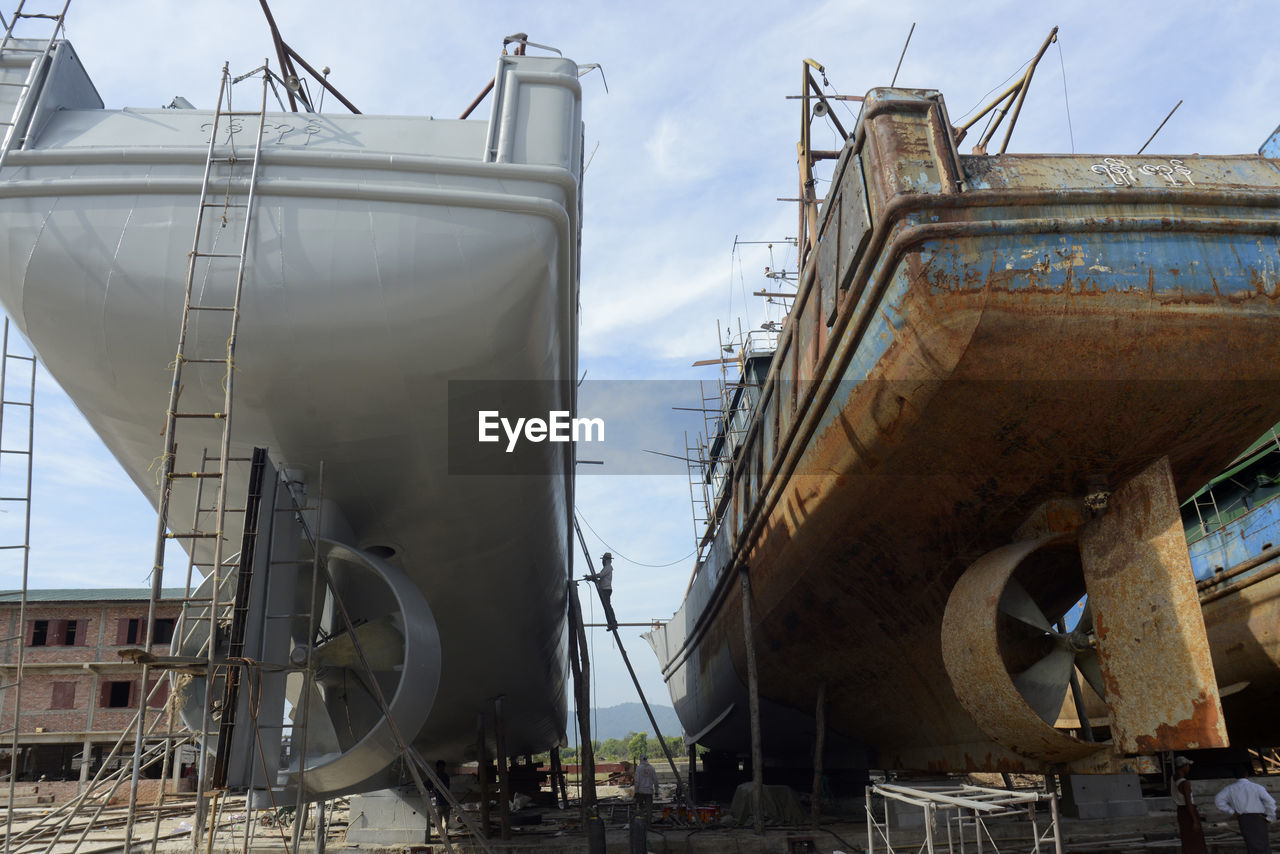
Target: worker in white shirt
{"points": [[604, 585], [1254, 809], [646, 780]]}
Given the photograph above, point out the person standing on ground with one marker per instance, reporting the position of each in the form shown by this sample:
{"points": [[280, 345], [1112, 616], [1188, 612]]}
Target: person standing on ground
{"points": [[1190, 822], [1254, 809], [646, 787], [604, 584], [440, 800]]}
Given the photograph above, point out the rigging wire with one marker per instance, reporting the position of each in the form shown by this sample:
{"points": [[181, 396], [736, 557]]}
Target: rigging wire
{"points": [[617, 553], [733, 256], [992, 91], [1070, 131], [843, 103]]}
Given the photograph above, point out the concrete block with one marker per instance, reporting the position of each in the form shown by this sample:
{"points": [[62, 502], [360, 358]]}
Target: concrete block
{"points": [[388, 817], [1102, 796]]}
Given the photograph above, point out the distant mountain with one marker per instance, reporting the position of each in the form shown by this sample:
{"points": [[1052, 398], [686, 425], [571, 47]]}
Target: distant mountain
{"points": [[618, 721]]}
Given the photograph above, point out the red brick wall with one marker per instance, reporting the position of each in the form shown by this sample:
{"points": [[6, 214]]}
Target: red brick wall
{"points": [[97, 633], [65, 790]]}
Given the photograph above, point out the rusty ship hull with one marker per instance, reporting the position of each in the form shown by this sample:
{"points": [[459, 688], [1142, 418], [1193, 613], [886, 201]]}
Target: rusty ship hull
{"points": [[978, 345]]}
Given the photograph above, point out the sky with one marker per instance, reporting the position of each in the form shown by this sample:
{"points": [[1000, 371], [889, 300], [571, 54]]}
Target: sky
{"points": [[690, 147]]}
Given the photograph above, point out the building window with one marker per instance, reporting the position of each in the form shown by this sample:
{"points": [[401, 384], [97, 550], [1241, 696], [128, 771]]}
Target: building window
{"points": [[116, 695], [64, 695], [57, 632], [164, 629], [131, 631]]}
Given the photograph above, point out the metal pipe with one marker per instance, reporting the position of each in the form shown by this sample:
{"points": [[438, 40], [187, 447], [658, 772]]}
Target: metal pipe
{"points": [[1161, 125], [902, 55], [988, 108], [1026, 84], [1243, 566], [1241, 584], [476, 102], [281, 55], [871, 823], [322, 80]]}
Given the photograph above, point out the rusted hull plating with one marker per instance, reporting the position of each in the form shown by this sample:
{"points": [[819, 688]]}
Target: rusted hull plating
{"points": [[973, 337]]}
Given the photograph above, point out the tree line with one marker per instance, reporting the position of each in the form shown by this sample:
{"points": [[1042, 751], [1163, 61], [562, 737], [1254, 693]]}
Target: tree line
{"points": [[631, 747]]}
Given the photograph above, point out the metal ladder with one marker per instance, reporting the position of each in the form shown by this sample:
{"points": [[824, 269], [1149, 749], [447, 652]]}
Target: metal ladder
{"points": [[229, 185], [16, 640], [7, 50]]}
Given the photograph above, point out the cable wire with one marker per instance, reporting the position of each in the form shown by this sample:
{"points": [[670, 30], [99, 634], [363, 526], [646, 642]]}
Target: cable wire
{"points": [[984, 98], [1070, 131], [617, 553]]}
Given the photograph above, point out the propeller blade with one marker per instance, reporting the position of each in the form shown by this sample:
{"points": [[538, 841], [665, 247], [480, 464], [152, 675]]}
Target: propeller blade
{"points": [[381, 640], [1085, 625], [1017, 603], [1087, 662], [321, 737], [1044, 684]]}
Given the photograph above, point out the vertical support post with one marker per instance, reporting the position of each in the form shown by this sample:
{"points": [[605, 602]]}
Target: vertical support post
{"points": [[888, 843], [753, 693], [820, 719], [871, 823], [504, 777], [557, 779], [1053, 816], [693, 768], [928, 828], [482, 773], [87, 757], [300, 823], [320, 827], [213, 823], [581, 665]]}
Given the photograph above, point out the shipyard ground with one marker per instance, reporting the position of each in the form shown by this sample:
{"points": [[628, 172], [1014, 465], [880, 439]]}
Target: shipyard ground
{"points": [[557, 831]]}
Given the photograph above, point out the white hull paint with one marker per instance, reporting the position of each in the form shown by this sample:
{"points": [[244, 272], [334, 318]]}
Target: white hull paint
{"points": [[388, 256]]}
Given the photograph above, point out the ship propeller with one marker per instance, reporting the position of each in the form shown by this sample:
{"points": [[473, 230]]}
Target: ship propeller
{"points": [[1055, 652], [375, 650], [357, 661], [1008, 653]]}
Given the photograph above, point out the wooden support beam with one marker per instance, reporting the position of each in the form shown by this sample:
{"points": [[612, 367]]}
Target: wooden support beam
{"points": [[753, 695], [820, 719]]}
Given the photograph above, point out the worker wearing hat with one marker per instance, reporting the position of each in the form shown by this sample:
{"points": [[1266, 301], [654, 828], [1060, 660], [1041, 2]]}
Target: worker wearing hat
{"points": [[1190, 822]]}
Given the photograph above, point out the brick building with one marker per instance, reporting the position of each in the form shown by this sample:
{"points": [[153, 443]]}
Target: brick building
{"points": [[78, 694]]}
